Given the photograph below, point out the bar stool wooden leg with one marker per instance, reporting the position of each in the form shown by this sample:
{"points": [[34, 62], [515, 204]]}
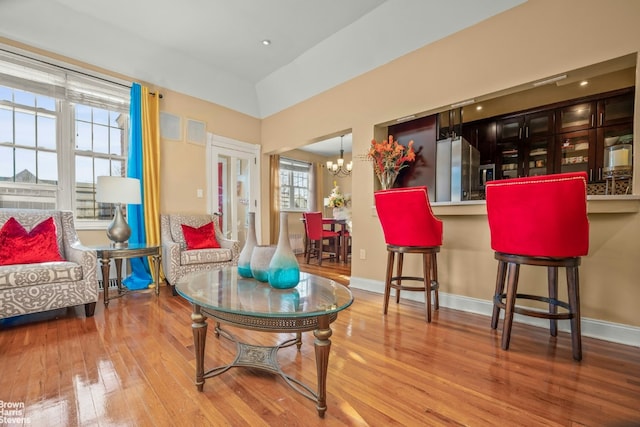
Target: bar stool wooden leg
{"points": [[573, 289], [426, 260], [497, 296], [434, 280], [510, 302], [552, 279], [387, 284], [399, 276]]}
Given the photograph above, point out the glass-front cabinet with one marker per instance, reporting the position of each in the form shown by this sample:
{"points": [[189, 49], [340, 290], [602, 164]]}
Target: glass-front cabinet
{"points": [[539, 159], [576, 117], [509, 160], [575, 152], [525, 144]]}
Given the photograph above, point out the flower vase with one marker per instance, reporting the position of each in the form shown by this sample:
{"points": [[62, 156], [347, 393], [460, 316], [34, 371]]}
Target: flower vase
{"points": [[387, 178], [341, 213], [244, 259], [284, 270]]}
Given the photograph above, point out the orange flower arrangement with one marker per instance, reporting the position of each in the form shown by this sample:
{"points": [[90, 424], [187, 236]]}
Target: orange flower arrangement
{"points": [[388, 157]]}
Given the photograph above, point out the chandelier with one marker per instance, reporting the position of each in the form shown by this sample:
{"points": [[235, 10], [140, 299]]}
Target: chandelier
{"points": [[339, 168]]}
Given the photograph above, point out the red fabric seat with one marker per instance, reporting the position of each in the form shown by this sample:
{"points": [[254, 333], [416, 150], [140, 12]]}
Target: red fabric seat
{"points": [[540, 221], [410, 227], [317, 235]]}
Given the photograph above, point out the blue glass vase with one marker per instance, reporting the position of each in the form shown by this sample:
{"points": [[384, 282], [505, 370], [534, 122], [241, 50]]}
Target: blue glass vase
{"points": [[244, 259], [284, 270]]}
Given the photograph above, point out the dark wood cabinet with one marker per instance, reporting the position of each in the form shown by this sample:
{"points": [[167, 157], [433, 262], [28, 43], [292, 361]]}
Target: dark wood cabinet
{"points": [[571, 136], [525, 144], [577, 116], [616, 110], [423, 134], [576, 152]]}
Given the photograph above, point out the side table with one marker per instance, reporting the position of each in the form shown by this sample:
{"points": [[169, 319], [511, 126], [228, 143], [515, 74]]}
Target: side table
{"points": [[133, 250]]}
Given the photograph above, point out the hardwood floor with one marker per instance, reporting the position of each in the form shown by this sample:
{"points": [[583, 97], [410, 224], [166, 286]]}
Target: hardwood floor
{"points": [[133, 364]]}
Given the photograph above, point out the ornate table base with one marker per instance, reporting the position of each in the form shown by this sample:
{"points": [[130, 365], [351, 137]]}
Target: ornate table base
{"points": [[265, 357]]}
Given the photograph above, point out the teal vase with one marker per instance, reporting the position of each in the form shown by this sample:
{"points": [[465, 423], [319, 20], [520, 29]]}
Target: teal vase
{"points": [[244, 259], [284, 270], [260, 261]]}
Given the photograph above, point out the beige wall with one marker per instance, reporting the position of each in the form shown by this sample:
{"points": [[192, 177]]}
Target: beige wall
{"points": [[536, 40]]}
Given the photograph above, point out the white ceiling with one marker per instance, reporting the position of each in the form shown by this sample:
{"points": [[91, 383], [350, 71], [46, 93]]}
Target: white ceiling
{"points": [[211, 49]]}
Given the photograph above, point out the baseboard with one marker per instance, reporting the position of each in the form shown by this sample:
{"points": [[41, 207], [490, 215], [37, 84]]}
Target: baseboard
{"points": [[607, 331]]}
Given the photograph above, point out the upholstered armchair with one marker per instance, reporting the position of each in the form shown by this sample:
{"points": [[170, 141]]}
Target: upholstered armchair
{"points": [[36, 274], [178, 259]]}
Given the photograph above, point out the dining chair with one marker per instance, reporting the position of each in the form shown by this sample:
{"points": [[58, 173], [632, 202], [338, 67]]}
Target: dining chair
{"points": [[410, 227], [318, 238], [539, 221]]}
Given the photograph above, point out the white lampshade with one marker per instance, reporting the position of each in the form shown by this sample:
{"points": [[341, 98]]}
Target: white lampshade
{"points": [[118, 189]]}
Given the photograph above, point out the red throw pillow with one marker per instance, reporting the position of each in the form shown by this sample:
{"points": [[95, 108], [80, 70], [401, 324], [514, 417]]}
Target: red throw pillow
{"points": [[200, 238], [17, 246]]}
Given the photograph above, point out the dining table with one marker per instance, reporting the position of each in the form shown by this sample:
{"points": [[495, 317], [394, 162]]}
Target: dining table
{"points": [[342, 227]]}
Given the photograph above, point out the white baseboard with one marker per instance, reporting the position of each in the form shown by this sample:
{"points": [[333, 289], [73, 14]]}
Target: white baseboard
{"points": [[607, 331]]}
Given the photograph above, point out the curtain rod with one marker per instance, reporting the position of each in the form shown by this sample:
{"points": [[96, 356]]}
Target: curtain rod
{"points": [[75, 71]]}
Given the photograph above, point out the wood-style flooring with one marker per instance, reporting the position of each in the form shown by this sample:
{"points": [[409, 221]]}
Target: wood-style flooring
{"points": [[132, 364]]}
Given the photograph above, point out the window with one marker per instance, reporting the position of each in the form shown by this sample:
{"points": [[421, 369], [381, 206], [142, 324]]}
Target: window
{"points": [[59, 130], [294, 185]]}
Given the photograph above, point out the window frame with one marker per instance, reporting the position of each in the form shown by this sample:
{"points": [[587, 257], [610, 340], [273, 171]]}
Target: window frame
{"points": [[291, 166], [68, 86]]}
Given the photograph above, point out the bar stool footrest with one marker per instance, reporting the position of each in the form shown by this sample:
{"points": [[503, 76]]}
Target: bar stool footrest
{"points": [[394, 285], [499, 301]]}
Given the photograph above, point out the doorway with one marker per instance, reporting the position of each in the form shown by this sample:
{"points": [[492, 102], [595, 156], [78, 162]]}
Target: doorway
{"points": [[233, 175]]}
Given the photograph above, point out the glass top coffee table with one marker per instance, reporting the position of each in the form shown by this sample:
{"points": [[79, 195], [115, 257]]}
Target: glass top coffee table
{"points": [[228, 298]]}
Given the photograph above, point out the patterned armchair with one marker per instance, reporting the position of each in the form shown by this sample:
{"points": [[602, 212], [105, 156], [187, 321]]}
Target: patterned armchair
{"points": [[37, 287], [177, 260]]}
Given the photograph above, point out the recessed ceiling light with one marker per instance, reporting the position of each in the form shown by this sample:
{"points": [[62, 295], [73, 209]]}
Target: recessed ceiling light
{"points": [[479, 107], [584, 83], [266, 42]]}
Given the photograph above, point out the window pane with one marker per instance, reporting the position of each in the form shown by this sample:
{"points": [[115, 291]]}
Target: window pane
{"points": [[47, 167], [25, 165], [6, 164], [116, 141], [83, 113], [100, 139], [102, 168], [24, 98], [118, 168], [83, 136], [25, 129], [6, 126], [113, 119], [100, 116], [84, 169], [46, 103], [6, 94], [46, 132]]}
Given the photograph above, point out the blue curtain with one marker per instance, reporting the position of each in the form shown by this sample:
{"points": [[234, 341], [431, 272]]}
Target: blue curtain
{"points": [[140, 277]]}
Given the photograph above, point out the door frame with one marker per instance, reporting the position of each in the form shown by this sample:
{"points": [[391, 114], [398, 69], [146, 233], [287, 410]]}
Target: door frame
{"points": [[221, 145]]}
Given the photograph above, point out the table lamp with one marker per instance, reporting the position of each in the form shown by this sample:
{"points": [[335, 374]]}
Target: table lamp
{"points": [[118, 190]]}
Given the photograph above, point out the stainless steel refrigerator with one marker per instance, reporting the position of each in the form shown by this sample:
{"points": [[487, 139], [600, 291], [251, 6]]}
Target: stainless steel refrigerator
{"points": [[457, 167]]}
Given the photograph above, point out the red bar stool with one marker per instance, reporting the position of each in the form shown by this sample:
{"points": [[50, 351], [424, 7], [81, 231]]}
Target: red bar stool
{"points": [[539, 221], [410, 227]]}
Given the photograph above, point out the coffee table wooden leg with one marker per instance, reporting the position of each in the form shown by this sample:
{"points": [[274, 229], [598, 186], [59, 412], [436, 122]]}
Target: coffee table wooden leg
{"points": [[322, 346], [199, 326]]}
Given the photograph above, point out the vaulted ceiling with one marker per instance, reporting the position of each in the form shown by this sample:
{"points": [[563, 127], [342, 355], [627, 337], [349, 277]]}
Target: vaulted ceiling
{"points": [[212, 49]]}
